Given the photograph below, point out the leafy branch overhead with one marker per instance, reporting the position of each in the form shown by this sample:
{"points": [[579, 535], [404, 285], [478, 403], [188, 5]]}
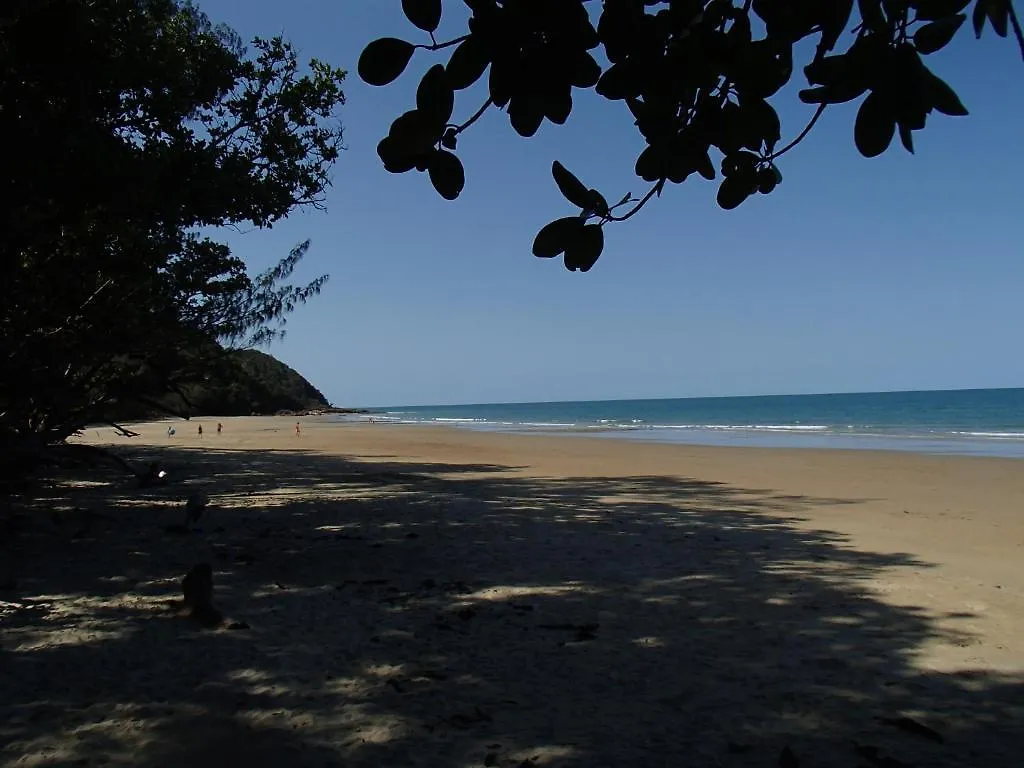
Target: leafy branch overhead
{"points": [[696, 77]]}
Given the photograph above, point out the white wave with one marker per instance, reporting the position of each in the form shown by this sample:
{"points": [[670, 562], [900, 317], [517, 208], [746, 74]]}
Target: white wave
{"points": [[459, 421], [1011, 435], [746, 427]]}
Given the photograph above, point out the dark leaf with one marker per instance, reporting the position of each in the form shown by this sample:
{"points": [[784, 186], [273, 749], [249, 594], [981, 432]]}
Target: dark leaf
{"points": [[395, 158], [526, 113], [435, 97], [467, 63], [830, 69], [553, 237], [414, 133], [906, 137], [558, 104], [501, 82], [763, 121], [572, 189], [875, 126], [936, 35], [768, 179], [383, 60], [817, 95], [704, 165], [679, 167], [446, 174], [652, 164], [597, 203], [585, 71], [425, 14], [835, 16], [767, 66], [584, 248], [733, 191], [978, 17], [944, 98], [765, 181], [619, 81], [739, 164], [999, 15]]}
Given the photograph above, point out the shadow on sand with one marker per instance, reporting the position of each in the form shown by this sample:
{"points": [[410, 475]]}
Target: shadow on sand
{"points": [[463, 615]]}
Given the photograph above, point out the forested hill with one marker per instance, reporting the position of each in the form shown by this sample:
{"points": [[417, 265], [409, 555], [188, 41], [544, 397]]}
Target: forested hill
{"points": [[253, 382], [237, 383]]}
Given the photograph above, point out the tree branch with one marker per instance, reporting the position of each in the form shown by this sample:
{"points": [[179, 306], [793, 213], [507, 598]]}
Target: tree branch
{"points": [[656, 189], [435, 46], [479, 113], [803, 133]]}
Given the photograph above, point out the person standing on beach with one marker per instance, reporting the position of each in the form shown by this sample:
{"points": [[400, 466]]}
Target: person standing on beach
{"points": [[219, 427], [200, 431], [298, 430]]}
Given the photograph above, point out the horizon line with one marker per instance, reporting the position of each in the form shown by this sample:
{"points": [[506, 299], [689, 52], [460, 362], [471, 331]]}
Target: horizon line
{"points": [[689, 397]]}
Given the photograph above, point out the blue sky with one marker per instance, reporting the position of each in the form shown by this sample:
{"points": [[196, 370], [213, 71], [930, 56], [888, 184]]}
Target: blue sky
{"points": [[902, 272]]}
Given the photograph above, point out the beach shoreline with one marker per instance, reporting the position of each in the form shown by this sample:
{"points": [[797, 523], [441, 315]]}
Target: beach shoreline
{"points": [[986, 422], [417, 595]]}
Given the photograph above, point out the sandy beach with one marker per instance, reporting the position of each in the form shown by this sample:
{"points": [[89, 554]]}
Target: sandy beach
{"points": [[415, 596]]}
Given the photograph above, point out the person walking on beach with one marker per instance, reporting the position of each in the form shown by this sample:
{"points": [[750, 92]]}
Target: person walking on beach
{"points": [[298, 430], [170, 431], [219, 427], [200, 431]]}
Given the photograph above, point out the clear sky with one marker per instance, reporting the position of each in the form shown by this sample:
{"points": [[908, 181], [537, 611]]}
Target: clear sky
{"points": [[902, 272]]}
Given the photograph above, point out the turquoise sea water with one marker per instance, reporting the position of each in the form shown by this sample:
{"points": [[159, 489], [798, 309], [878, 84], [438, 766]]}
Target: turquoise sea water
{"points": [[976, 421]]}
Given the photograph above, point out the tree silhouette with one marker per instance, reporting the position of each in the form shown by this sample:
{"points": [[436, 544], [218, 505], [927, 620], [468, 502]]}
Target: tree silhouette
{"points": [[696, 77], [151, 127]]}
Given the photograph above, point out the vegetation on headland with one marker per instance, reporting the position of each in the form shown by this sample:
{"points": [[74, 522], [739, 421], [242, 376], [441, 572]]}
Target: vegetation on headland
{"points": [[149, 130], [697, 78], [243, 382]]}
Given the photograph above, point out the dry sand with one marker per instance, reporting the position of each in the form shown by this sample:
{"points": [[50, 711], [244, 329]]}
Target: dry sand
{"points": [[428, 597]]}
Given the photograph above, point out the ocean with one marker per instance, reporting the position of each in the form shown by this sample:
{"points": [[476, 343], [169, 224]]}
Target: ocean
{"points": [[987, 422]]}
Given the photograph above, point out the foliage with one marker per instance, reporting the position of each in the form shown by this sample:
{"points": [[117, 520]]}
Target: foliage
{"points": [[251, 381], [136, 126], [237, 382], [696, 76]]}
